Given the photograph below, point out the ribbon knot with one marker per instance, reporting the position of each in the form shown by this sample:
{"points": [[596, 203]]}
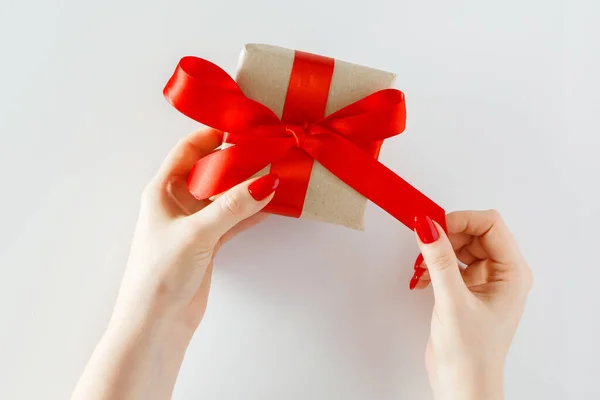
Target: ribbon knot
{"points": [[299, 132]]}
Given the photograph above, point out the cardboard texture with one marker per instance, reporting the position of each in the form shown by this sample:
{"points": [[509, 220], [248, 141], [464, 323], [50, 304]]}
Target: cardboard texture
{"points": [[263, 75]]}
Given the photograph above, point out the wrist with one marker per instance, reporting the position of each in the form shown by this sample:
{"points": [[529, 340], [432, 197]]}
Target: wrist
{"points": [[140, 318], [148, 314], [151, 327], [477, 385]]}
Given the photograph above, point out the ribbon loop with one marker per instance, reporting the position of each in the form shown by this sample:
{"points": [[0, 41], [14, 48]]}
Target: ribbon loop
{"points": [[204, 92]]}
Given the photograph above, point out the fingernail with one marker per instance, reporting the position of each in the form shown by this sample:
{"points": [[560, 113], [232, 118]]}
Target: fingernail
{"points": [[418, 261], [419, 271], [263, 186], [426, 230]]}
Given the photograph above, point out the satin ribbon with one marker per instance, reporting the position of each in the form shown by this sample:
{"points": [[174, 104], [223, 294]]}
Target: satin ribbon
{"points": [[346, 142]]}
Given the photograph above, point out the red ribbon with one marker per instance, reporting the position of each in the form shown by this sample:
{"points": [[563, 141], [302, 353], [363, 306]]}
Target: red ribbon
{"points": [[346, 142]]}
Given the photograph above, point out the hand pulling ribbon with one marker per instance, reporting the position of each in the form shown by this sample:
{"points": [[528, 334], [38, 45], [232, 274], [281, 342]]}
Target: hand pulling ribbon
{"points": [[346, 142]]}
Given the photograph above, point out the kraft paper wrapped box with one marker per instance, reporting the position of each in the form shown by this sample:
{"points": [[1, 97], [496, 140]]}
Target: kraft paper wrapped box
{"points": [[263, 75]]}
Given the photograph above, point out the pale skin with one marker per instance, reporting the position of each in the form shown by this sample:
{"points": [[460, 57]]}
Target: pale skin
{"points": [[164, 292]]}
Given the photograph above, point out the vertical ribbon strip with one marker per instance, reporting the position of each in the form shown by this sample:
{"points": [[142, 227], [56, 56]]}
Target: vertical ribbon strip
{"points": [[305, 103]]}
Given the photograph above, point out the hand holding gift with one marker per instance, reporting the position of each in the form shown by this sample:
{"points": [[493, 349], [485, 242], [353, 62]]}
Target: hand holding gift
{"points": [[325, 148]]}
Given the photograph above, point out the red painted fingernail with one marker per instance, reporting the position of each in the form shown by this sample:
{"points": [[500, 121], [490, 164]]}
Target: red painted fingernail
{"points": [[418, 261], [419, 271], [263, 186], [426, 230]]}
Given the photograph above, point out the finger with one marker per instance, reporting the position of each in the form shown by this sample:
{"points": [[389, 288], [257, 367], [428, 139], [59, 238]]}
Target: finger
{"points": [[477, 249], [488, 226], [186, 152], [423, 282], [465, 256], [233, 207], [459, 240], [242, 226], [424, 279], [476, 274], [459, 243], [440, 259], [184, 203]]}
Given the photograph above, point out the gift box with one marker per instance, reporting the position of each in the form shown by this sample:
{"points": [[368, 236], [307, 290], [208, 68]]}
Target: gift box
{"points": [[263, 74], [318, 123]]}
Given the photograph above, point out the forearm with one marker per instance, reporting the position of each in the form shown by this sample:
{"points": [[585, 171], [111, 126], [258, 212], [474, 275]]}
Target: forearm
{"points": [[139, 361]]}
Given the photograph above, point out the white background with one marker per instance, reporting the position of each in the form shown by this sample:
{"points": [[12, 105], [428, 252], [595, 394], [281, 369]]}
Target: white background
{"points": [[502, 103]]}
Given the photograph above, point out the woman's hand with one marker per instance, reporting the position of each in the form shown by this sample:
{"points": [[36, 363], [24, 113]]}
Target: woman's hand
{"points": [[170, 265], [477, 309], [165, 288]]}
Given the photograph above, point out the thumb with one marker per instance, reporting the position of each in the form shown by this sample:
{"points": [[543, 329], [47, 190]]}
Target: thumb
{"points": [[235, 205], [441, 261]]}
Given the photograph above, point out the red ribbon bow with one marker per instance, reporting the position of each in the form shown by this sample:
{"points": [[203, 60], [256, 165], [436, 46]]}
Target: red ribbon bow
{"points": [[346, 142]]}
